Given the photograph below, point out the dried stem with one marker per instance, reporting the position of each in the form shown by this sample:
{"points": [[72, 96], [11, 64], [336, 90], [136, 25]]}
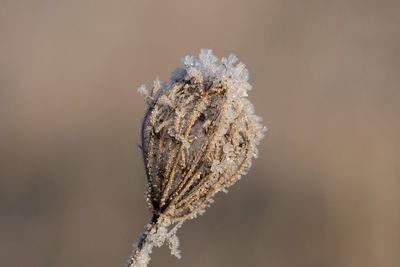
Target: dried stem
{"points": [[155, 234], [142, 248]]}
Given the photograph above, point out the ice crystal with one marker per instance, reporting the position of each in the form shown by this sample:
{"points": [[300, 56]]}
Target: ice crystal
{"points": [[199, 135]]}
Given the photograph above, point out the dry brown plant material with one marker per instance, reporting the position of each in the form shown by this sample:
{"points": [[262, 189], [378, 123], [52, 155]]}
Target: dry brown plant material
{"points": [[199, 135]]}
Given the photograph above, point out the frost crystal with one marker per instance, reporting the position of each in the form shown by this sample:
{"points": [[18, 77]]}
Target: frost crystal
{"points": [[199, 135]]}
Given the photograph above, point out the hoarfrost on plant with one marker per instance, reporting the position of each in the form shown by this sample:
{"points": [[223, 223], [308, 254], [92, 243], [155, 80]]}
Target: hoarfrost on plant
{"points": [[199, 136]]}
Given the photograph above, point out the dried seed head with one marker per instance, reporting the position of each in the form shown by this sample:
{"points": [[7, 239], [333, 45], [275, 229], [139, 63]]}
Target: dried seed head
{"points": [[199, 134]]}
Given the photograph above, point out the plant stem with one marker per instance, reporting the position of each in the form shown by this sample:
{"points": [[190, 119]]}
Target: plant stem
{"points": [[140, 256]]}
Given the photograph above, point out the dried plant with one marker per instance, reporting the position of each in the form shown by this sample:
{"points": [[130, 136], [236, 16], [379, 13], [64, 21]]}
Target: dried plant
{"points": [[198, 137]]}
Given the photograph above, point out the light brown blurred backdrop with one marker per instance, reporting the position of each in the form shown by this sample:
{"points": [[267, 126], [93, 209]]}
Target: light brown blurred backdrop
{"points": [[326, 75]]}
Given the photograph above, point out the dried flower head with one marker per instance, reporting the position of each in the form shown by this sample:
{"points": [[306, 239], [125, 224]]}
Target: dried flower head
{"points": [[199, 135]]}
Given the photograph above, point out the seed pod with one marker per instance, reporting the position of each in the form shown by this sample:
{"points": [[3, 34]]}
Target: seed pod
{"points": [[199, 135]]}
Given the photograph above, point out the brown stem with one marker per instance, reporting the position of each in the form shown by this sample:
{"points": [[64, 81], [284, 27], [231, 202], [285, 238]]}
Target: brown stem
{"points": [[140, 256]]}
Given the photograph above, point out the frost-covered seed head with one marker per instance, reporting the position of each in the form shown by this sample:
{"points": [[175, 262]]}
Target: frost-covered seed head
{"points": [[199, 134]]}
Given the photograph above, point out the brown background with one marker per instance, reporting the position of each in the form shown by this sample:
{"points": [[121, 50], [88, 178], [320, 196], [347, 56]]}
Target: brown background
{"points": [[326, 75]]}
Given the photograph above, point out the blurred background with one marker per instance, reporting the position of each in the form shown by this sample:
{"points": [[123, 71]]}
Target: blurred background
{"points": [[324, 191]]}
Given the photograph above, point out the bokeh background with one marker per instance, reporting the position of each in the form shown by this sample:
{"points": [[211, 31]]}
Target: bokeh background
{"points": [[324, 191]]}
